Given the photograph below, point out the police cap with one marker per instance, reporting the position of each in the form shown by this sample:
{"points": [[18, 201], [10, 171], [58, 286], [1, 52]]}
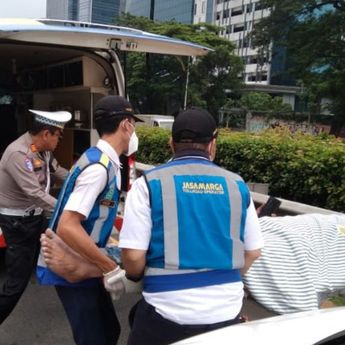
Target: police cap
{"points": [[52, 118]]}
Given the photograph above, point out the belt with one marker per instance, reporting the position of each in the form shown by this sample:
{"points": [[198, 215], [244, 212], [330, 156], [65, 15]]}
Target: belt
{"points": [[21, 213]]}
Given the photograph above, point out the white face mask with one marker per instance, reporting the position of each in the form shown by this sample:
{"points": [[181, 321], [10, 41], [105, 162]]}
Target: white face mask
{"points": [[133, 144]]}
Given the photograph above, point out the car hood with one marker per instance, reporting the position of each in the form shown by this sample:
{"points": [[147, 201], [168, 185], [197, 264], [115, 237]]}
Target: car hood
{"points": [[304, 328]]}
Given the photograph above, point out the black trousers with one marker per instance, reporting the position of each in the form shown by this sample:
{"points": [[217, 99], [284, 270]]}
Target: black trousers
{"points": [[150, 328], [22, 236], [91, 314]]}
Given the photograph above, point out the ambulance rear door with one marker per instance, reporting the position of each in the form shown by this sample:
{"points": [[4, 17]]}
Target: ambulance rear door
{"points": [[96, 37]]}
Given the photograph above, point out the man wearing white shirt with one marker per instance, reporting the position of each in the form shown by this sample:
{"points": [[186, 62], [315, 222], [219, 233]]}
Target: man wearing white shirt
{"points": [[190, 230], [83, 219]]}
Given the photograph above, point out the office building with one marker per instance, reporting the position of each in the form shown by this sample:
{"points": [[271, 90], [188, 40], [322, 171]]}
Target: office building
{"points": [[95, 11], [236, 19], [163, 10]]}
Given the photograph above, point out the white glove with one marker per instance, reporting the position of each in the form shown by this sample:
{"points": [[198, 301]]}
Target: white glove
{"points": [[116, 283], [113, 282]]}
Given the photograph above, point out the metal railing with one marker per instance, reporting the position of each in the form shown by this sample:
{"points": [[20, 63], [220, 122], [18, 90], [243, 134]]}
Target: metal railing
{"points": [[286, 207]]}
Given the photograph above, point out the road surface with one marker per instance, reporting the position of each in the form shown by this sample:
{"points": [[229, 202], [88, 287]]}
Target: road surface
{"points": [[39, 319]]}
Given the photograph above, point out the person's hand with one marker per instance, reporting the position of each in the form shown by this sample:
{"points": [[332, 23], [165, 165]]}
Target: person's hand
{"points": [[116, 283], [113, 282]]}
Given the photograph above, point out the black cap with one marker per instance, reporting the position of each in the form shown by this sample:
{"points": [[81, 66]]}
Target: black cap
{"points": [[194, 125], [111, 106]]}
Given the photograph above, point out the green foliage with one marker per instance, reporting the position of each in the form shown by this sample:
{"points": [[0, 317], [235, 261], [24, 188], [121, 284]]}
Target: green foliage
{"points": [[260, 101], [299, 167], [153, 145], [254, 103], [156, 83], [338, 300], [312, 32]]}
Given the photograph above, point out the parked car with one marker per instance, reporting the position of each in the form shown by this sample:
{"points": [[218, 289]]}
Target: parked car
{"points": [[319, 327], [154, 120]]}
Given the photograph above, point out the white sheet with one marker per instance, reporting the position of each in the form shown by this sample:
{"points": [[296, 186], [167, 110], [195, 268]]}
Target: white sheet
{"points": [[303, 257]]}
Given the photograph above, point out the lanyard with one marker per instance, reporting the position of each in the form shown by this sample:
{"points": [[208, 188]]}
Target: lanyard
{"points": [[46, 157]]}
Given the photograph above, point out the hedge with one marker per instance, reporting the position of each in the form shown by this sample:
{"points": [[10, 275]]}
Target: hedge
{"points": [[299, 167]]}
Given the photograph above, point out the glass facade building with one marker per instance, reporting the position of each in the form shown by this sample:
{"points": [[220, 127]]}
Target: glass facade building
{"points": [[138, 8], [58, 9], [177, 10], [73, 10], [163, 10], [105, 11], [95, 11]]}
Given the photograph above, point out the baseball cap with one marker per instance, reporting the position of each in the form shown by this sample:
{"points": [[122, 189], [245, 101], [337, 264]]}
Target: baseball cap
{"points": [[112, 106], [194, 125], [52, 118]]}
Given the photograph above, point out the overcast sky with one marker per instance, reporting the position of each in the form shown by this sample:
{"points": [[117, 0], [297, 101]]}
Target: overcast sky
{"points": [[23, 8]]}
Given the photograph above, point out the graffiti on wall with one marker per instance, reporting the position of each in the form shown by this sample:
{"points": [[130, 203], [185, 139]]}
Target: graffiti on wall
{"points": [[258, 123]]}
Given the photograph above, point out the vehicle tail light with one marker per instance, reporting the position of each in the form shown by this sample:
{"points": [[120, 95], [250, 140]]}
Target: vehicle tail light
{"points": [[2, 240]]}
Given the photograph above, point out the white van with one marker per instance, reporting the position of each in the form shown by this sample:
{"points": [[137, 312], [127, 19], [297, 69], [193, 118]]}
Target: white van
{"points": [[64, 65], [55, 65]]}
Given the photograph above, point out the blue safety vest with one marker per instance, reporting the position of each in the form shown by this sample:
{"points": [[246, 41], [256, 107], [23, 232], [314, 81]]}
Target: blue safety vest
{"points": [[198, 213], [100, 221]]}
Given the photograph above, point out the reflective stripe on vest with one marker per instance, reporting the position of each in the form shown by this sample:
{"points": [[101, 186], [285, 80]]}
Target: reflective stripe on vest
{"points": [[183, 194], [100, 221], [188, 279]]}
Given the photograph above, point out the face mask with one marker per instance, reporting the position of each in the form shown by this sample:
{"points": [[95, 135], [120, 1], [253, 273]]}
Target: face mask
{"points": [[133, 144]]}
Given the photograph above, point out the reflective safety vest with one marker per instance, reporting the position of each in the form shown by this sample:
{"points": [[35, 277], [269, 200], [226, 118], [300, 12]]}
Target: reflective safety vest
{"points": [[100, 221], [198, 213]]}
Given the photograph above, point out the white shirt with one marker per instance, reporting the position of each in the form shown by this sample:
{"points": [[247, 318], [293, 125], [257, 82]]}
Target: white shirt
{"points": [[91, 182], [204, 305]]}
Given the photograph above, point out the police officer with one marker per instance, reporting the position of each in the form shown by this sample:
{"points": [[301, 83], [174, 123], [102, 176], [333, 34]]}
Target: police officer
{"points": [[26, 169], [190, 229]]}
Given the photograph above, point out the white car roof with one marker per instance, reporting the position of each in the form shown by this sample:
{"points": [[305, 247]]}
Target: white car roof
{"points": [[96, 36], [305, 328]]}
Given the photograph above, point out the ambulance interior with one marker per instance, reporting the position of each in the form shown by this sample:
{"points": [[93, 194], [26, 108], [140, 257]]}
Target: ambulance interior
{"points": [[34, 76]]}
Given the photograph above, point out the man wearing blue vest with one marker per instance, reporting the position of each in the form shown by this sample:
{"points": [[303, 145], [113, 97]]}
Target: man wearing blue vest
{"points": [[83, 219], [190, 230]]}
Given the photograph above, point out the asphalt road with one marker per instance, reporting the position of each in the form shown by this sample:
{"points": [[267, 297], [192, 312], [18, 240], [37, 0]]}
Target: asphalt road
{"points": [[39, 319]]}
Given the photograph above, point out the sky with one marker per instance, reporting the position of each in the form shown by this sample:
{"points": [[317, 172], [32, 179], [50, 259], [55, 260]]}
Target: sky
{"points": [[23, 8]]}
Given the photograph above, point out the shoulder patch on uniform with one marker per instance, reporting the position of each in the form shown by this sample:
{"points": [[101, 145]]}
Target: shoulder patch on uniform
{"points": [[37, 163], [28, 164]]}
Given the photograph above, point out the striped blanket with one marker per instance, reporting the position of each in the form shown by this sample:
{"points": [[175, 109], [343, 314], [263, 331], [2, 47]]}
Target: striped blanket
{"points": [[303, 258]]}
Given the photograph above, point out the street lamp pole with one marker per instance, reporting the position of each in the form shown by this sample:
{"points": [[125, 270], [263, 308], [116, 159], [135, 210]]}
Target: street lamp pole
{"points": [[186, 88]]}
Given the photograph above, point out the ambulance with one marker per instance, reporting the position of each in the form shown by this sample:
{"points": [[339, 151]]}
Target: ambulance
{"points": [[65, 65]]}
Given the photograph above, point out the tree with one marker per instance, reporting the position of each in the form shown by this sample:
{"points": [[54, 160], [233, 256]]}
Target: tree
{"points": [[236, 110], [156, 83], [312, 31], [263, 102]]}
